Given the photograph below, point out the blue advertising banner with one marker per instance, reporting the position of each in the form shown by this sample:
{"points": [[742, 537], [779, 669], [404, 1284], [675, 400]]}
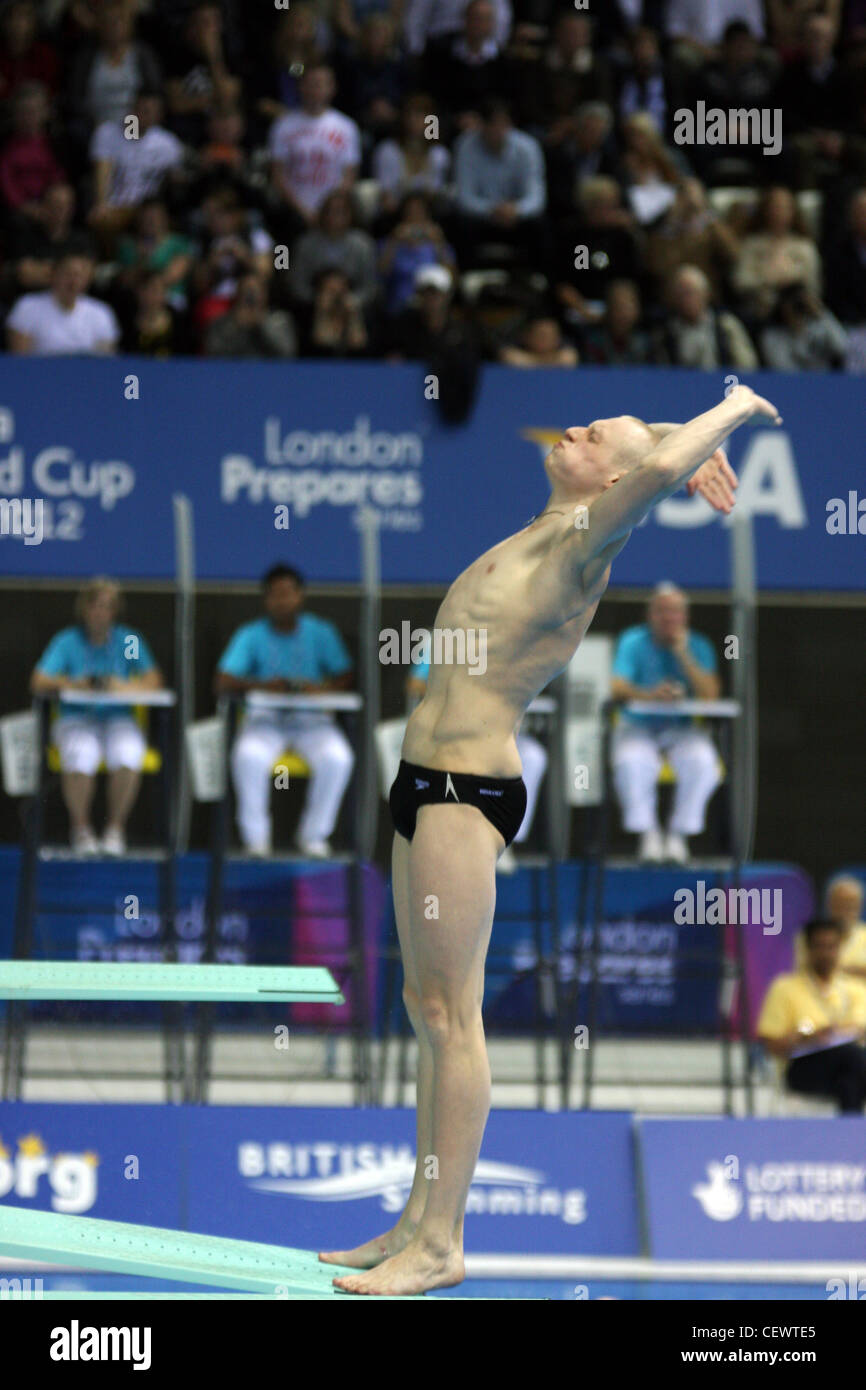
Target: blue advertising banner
{"points": [[330, 1179], [117, 1162], [755, 1189], [658, 961], [278, 459], [273, 914], [320, 1178], [658, 950]]}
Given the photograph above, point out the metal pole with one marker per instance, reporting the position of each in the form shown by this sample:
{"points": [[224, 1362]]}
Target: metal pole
{"points": [[744, 742], [184, 658]]}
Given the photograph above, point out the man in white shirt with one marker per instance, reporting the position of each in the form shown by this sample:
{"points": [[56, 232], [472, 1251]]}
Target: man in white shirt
{"points": [[63, 320], [313, 151], [126, 170]]}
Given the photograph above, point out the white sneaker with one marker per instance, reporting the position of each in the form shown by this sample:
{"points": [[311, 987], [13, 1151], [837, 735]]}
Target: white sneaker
{"points": [[84, 842], [114, 843], [314, 849], [651, 850], [507, 862], [262, 851], [676, 848]]}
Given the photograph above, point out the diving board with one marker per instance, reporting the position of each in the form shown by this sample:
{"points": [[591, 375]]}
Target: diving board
{"points": [[112, 980], [83, 1242]]}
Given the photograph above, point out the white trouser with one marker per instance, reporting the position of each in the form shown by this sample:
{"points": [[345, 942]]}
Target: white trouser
{"points": [[533, 755], [320, 742], [637, 761], [85, 743]]}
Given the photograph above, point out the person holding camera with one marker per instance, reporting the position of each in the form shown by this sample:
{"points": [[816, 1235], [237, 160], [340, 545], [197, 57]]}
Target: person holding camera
{"points": [[334, 326], [98, 653]]}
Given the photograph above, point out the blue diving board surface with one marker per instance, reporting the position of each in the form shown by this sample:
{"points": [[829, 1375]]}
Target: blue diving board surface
{"points": [[109, 980], [83, 1242]]}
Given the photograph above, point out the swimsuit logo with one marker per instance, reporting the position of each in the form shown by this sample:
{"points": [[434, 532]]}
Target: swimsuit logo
{"points": [[489, 791], [420, 785], [449, 787]]}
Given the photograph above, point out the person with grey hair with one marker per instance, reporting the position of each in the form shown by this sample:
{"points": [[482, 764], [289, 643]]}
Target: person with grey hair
{"points": [[697, 335], [663, 661], [843, 903]]}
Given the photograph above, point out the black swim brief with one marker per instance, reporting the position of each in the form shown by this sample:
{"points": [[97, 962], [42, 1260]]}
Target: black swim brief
{"points": [[501, 799]]}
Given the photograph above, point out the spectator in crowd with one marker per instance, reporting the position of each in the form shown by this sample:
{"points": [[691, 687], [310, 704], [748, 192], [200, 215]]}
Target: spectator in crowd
{"points": [[335, 242], [663, 661], [744, 74], [223, 157], [697, 29], [334, 324], [200, 80], [436, 19], [348, 16], [650, 173], [788, 17], [28, 164], [154, 328], [817, 99], [98, 653], [571, 50], [617, 340], [846, 280], [777, 251], [107, 75], [313, 151], [533, 757], [409, 162], [500, 188], [540, 344], [803, 335], [551, 73], [642, 83], [288, 650], [695, 334], [690, 233], [230, 247], [296, 48], [416, 241], [814, 1019], [155, 246], [24, 57], [432, 331], [63, 319], [35, 246], [463, 69], [250, 328], [592, 151], [578, 145], [373, 79], [596, 245], [128, 171], [843, 903]]}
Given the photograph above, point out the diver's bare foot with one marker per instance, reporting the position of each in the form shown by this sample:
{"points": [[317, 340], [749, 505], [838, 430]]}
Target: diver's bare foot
{"points": [[414, 1270], [375, 1251]]}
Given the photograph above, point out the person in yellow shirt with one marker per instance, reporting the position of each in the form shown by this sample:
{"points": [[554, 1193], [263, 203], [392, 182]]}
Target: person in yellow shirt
{"points": [[814, 1021], [843, 900]]}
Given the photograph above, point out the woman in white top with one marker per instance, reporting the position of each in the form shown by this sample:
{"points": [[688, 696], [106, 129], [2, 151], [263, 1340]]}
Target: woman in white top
{"points": [[777, 252], [412, 162]]}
